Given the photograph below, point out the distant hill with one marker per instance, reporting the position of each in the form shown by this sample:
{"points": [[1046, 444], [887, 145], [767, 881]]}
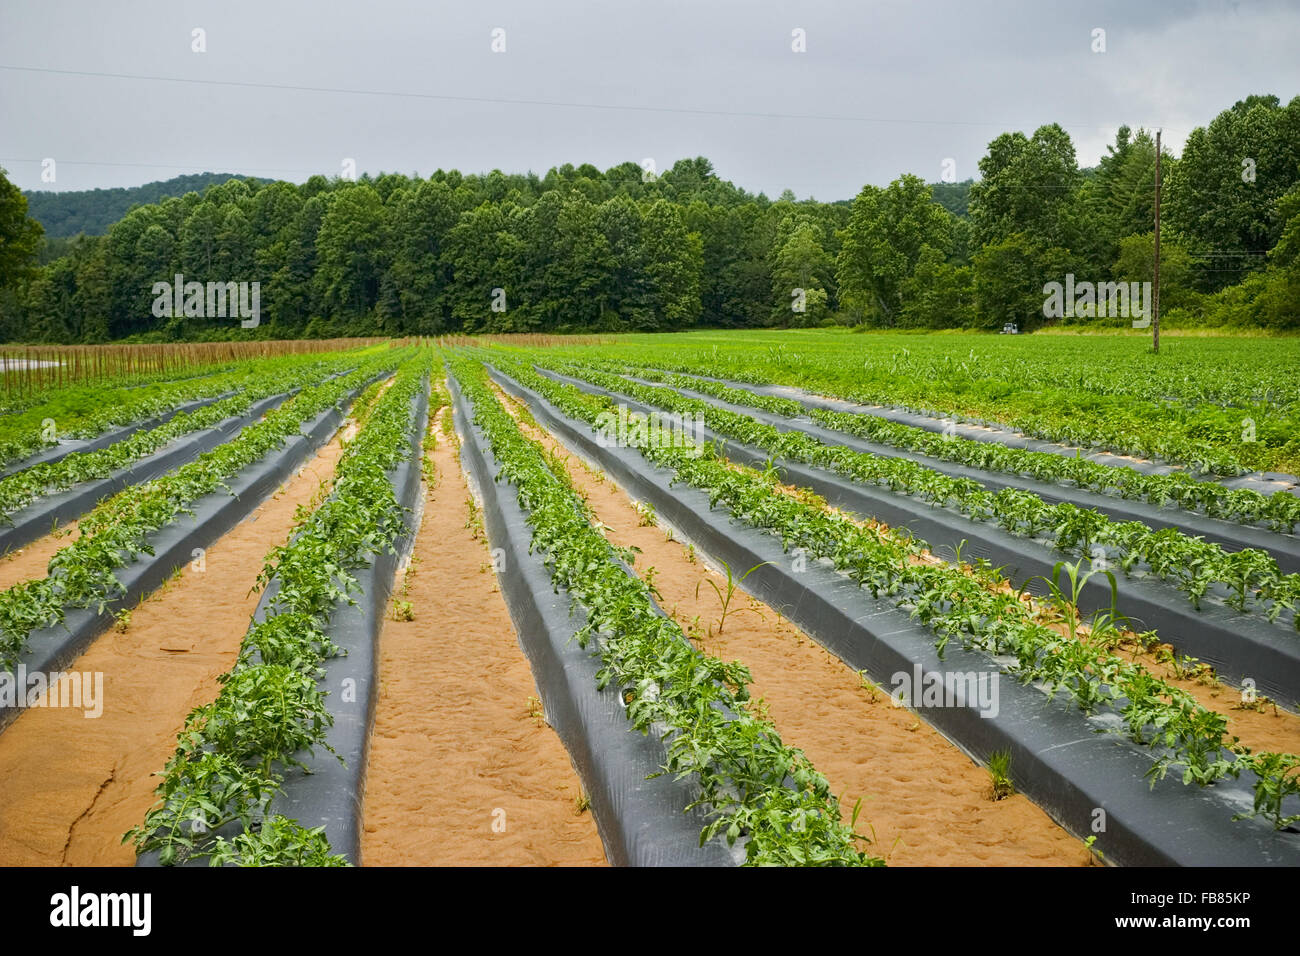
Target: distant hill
{"points": [[92, 211], [954, 197]]}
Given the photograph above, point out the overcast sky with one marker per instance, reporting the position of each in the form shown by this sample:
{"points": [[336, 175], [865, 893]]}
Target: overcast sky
{"points": [[884, 87]]}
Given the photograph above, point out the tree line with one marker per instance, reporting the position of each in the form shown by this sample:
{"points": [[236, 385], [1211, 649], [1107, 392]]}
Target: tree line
{"points": [[66, 214], [624, 249]]}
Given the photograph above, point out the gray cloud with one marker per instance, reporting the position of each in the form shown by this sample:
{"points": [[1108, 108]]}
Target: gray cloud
{"points": [[884, 88]]}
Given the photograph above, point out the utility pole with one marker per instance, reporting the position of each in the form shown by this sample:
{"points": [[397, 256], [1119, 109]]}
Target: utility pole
{"points": [[1155, 284]]}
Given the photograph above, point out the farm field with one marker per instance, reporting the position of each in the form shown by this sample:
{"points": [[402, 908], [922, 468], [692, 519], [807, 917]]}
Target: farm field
{"points": [[801, 598]]}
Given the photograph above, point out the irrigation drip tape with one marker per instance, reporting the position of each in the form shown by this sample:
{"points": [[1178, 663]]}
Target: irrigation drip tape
{"points": [[1237, 645], [36, 519], [1231, 535], [63, 449], [55, 648], [1263, 482], [1058, 757], [641, 821]]}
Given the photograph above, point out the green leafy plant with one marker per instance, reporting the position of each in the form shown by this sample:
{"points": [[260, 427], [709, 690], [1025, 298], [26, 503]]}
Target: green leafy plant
{"points": [[279, 841], [725, 594], [1191, 563], [750, 785], [117, 532], [645, 514], [232, 754], [1066, 599], [999, 769], [963, 605], [1278, 779]]}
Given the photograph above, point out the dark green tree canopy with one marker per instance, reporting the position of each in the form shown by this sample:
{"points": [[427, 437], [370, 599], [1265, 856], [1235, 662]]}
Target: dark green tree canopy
{"points": [[20, 235], [632, 247]]}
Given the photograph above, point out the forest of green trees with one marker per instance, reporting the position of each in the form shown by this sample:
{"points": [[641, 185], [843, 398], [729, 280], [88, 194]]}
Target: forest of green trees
{"points": [[584, 250], [65, 214]]}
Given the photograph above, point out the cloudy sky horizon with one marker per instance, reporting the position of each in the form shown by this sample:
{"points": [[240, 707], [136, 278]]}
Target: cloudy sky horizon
{"points": [[117, 95]]}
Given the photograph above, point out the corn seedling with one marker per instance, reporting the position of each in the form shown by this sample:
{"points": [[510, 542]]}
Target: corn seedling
{"points": [[649, 577], [725, 595]]}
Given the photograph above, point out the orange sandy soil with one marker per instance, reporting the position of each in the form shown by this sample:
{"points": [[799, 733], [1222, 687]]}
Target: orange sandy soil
{"points": [[1260, 724], [456, 746], [33, 560], [925, 803], [70, 787]]}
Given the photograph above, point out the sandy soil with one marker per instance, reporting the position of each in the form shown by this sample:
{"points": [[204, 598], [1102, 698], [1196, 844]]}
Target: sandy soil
{"points": [[925, 803], [33, 560], [461, 772], [1260, 725], [70, 787]]}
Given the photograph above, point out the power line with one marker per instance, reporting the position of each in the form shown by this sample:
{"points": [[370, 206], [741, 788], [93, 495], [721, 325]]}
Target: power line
{"points": [[512, 101], [503, 101]]}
